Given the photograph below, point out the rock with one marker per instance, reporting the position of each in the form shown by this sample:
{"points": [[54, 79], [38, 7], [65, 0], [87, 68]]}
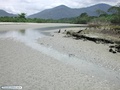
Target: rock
{"points": [[117, 47], [68, 33], [59, 31], [114, 49], [110, 50], [111, 46], [114, 52], [118, 51]]}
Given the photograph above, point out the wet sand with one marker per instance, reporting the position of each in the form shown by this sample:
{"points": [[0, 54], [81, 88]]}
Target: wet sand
{"points": [[32, 69]]}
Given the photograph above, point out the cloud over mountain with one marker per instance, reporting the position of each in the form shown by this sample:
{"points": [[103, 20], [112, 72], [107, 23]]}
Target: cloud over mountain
{"points": [[33, 6]]}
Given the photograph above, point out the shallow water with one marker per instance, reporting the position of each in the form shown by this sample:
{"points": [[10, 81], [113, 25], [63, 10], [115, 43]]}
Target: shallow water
{"points": [[29, 37]]}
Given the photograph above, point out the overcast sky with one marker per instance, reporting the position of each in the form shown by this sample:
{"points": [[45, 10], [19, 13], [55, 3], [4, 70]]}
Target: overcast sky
{"points": [[33, 6]]}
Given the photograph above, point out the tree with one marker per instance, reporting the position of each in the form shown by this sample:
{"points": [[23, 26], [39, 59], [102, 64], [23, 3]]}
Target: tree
{"points": [[101, 12], [116, 13], [115, 9], [84, 15], [82, 19], [22, 15]]}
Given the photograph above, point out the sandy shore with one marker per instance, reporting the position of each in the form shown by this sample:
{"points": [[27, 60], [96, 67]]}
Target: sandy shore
{"points": [[87, 50], [32, 69]]}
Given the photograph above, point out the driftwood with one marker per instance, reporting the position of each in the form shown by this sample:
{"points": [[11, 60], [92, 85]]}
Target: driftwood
{"points": [[79, 35], [94, 39]]}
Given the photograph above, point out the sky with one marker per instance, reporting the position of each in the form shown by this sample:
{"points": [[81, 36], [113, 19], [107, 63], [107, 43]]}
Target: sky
{"points": [[34, 6]]}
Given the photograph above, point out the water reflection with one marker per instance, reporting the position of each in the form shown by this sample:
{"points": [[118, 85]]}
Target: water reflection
{"points": [[22, 35], [22, 31], [3, 32]]}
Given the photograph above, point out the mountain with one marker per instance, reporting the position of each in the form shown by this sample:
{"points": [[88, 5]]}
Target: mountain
{"points": [[4, 13], [63, 11]]}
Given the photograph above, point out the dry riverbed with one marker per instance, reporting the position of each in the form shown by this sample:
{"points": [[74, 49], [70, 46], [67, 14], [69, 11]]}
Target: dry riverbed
{"points": [[54, 62], [87, 50]]}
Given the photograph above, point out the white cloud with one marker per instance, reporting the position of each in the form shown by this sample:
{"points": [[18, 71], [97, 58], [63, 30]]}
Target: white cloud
{"points": [[32, 6]]}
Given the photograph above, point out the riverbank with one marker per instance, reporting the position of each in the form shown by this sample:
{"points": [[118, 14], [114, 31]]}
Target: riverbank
{"points": [[104, 36], [96, 53]]}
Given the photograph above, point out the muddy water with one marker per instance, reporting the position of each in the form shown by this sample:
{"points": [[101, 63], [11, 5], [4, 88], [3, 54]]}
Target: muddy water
{"points": [[29, 37]]}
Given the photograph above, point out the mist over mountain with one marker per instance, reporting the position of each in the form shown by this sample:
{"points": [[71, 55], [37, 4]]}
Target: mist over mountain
{"points": [[63, 11]]}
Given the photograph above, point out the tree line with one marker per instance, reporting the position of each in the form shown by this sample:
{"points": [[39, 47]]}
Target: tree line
{"points": [[113, 16]]}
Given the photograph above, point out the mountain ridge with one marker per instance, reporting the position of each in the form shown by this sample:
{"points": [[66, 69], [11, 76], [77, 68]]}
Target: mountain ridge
{"points": [[63, 11], [3, 13]]}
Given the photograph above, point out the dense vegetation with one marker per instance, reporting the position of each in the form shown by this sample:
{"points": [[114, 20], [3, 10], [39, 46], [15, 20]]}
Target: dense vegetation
{"points": [[22, 18], [112, 16]]}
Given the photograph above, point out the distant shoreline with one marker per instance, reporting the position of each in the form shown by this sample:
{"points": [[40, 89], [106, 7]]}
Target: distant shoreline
{"points": [[5, 26]]}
